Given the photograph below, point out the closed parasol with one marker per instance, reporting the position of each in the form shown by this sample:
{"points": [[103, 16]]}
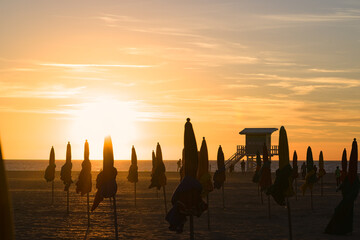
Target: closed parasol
{"points": [[341, 222], [84, 184], [133, 171], [186, 199]]}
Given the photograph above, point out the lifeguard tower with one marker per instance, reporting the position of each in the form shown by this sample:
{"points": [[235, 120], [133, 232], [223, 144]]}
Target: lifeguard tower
{"points": [[254, 142]]}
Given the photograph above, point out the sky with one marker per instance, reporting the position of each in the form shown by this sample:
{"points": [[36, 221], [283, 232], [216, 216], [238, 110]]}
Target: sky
{"points": [[76, 70]]}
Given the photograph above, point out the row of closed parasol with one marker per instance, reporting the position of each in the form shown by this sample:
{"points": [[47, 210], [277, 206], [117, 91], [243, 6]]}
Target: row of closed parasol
{"points": [[105, 182]]}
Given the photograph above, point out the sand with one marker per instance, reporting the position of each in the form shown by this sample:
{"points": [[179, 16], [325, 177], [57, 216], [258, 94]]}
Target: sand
{"points": [[244, 217]]}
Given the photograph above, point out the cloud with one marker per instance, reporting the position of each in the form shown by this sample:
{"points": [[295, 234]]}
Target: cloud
{"points": [[70, 65], [23, 91], [339, 16], [329, 70]]}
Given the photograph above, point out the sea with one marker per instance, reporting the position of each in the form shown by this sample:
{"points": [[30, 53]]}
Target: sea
{"points": [[143, 165]]}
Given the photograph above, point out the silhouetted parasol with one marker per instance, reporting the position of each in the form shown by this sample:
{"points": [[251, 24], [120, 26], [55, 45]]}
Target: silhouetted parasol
{"points": [[65, 174], [133, 171], [186, 199], [341, 222], [343, 166], [219, 175], [283, 186], [84, 184], [6, 215], [295, 172], [265, 175], [322, 171], [50, 172], [203, 174], [106, 180], [310, 178]]}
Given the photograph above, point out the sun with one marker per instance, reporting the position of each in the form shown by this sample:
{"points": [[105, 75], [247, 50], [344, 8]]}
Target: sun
{"points": [[101, 117]]}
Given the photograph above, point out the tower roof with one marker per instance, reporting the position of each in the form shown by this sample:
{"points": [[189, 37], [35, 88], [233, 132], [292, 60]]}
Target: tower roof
{"points": [[256, 131]]}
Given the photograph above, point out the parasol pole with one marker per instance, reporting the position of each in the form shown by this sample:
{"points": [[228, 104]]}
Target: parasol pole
{"points": [[269, 207], [289, 218], [165, 200], [191, 227], [295, 188], [208, 211], [67, 201], [223, 196], [115, 220], [261, 197], [88, 208], [135, 193], [311, 199], [52, 192], [321, 185]]}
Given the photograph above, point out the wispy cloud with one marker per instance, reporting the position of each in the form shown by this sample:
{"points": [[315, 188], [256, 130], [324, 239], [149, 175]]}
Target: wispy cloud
{"points": [[338, 16], [84, 65]]}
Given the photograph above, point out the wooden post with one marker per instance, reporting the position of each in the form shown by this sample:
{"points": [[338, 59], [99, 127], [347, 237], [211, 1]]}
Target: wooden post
{"points": [[135, 193], [165, 200], [289, 218], [115, 220], [67, 202], [208, 211], [52, 192], [191, 228], [269, 207], [88, 208]]}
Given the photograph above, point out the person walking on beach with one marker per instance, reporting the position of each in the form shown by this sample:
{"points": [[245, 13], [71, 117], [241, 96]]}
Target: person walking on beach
{"points": [[178, 165], [303, 171], [243, 167], [337, 175]]}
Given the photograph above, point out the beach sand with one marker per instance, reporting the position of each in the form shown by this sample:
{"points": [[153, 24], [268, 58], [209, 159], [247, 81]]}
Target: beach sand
{"points": [[244, 217]]}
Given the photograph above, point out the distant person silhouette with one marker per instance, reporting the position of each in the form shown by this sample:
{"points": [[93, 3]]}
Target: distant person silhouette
{"points": [[178, 165], [243, 167], [337, 176], [303, 171], [231, 168]]}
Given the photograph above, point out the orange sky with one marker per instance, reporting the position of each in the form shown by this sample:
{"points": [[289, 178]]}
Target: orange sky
{"points": [[137, 69]]}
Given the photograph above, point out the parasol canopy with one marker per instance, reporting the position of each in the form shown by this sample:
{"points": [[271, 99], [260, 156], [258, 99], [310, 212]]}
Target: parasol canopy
{"points": [[343, 166], [265, 172], [133, 170], [50, 170], [283, 185], [203, 174], [186, 199], [84, 184], [322, 171], [158, 178], [295, 166], [310, 178], [106, 179], [65, 174], [353, 162], [219, 175]]}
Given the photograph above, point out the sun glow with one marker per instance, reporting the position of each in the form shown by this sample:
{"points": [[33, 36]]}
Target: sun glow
{"points": [[101, 117]]}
